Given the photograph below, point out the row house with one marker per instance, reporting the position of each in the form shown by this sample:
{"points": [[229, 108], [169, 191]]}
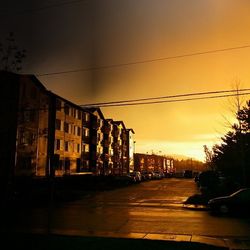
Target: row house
{"points": [[45, 135]]}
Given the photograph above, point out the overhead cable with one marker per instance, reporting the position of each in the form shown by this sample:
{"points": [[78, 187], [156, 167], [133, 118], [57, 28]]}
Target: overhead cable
{"points": [[143, 61]]}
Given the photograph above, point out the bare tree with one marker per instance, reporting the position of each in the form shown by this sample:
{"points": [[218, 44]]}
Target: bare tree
{"points": [[209, 157], [11, 57]]}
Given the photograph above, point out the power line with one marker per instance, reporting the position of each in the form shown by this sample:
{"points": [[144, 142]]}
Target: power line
{"points": [[145, 61], [168, 101], [152, 102], [166, 97]]}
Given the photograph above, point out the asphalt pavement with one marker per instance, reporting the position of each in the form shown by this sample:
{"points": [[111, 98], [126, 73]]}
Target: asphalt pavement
{"points": [[145, 216]]}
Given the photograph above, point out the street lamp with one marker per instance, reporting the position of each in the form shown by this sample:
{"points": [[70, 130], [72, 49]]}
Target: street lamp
{"points": [[134, 142]]}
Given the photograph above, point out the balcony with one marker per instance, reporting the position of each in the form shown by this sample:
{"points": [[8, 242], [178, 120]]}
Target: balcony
{"points": [[85, 139], [94, 140], [106, 129], [85, 155], [86, 124], [105, 143]]}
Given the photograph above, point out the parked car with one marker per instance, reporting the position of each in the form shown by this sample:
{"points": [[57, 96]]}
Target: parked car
{"points": [[146, 175], [238, 203], [137, 176], [158, 174]]}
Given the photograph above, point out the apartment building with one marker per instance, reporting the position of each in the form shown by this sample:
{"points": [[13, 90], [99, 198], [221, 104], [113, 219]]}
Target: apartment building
{"points": [[44, 134], [153, 162]]}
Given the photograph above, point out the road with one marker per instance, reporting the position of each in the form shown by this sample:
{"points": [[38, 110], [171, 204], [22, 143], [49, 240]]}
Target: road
{"points": [[153, 207]]}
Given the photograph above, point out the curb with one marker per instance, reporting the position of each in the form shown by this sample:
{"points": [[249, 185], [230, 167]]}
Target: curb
{"points": [[241, 243]]}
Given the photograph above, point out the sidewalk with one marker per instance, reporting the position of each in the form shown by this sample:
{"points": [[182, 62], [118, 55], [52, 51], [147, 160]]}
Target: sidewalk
{"points": [[107, 240]]}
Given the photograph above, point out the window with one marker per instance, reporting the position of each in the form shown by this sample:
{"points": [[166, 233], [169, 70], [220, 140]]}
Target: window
{"points": [[58, 105], [86, 117], [79, 114], [85, 132], [78, 148], [26, 137], [85, 148], [58, 144], [67, 146], [78, 131], [66, 109], [66, 127], [58, 124]]}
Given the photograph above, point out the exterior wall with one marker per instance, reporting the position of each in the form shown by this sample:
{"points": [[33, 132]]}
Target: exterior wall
{"points": [[116, 150], [108, 161], [42, 140], [125, 153], [96, 138], [68, 138], [24, 132], [32, 127], [153, 163], [86, 141], [130, 150]]}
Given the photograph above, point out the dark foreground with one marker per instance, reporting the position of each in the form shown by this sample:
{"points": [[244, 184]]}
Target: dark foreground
{"points": [[37, 242]]}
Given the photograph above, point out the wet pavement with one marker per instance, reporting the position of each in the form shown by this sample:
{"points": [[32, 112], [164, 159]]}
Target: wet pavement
{"points": [[149, 210]]}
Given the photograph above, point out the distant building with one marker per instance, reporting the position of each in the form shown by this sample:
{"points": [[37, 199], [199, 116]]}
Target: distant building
{"points": [[153, 162]]}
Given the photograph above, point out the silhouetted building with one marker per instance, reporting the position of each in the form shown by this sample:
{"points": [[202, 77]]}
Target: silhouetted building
{"points": [[44, 134]]}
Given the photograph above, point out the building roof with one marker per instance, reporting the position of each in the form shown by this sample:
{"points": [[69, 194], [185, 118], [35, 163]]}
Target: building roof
{"points": [[24, 77], [120, 122], [94, 109], [130, 129]]}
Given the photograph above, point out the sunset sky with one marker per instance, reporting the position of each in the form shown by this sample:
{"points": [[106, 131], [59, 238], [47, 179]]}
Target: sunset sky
{"points": [[66, 35]]}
